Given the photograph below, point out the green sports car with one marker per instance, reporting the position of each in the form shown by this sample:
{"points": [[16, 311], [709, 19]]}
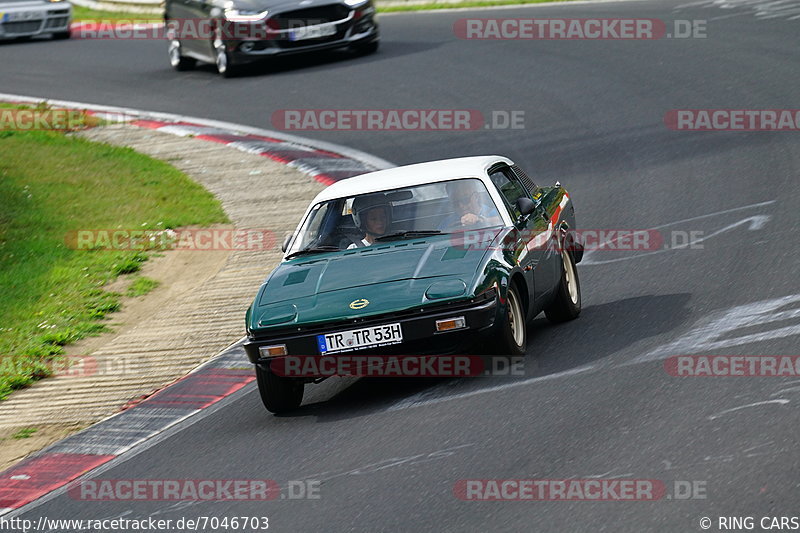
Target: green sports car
{"points": [[438, 258]]}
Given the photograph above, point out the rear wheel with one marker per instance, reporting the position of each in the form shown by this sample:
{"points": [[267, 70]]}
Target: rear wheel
{"points": [[278, 393], [567, 304], [176, 58]]}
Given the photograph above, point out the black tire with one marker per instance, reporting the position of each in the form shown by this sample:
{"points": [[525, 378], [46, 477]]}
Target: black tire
{"points": [[567, 305], [223, 59], [513, 331], [62, 35], [366, 49], [278, 393], [179, 61]]}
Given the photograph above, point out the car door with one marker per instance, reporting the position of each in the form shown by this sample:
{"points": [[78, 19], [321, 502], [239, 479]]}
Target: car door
{"points": [[198, 27], [177, 14], [549, 273], [532, 237]]}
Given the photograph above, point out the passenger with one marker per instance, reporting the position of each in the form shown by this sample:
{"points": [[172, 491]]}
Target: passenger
{"points": [[372, 215]]}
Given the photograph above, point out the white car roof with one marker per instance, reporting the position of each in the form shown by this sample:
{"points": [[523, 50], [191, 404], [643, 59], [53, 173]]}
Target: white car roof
{"points": [[410, 175]]}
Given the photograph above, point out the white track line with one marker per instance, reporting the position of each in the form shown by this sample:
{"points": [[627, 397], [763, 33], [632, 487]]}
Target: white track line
{"points": [[418, 400]]}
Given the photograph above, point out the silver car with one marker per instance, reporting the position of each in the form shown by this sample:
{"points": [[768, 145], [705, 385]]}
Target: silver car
{"points": [[26, 18]]}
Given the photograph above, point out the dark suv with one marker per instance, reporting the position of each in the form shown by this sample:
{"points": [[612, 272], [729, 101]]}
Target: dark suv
{"points": [[230, 33]]}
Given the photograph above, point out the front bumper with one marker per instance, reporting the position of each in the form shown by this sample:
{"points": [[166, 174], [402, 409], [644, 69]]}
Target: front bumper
{"points": [[419, 333], [28, 21], [348, 32]]}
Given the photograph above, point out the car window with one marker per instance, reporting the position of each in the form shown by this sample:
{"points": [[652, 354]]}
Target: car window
{"points": [[440, 207], [314, 229], [510, 188]]}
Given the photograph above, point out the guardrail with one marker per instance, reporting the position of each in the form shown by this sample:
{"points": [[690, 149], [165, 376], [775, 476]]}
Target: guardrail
{"points": [[155, 7]]}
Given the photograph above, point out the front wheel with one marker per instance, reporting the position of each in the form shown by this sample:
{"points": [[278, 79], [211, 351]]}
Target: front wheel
{"points": [[278, 393], [513, 329], [61, 35], [366, 49], [223, 59], [567, 305]]}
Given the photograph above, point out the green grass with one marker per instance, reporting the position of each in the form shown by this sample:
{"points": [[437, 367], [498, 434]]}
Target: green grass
{"points": [[73, 120], [86, 14], [24, 433], [80, 13], [141, 286], [52, 184], [458, 5]]}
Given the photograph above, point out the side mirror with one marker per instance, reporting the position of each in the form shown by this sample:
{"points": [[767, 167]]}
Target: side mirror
{"points": [[525, 206], [286, 241]]}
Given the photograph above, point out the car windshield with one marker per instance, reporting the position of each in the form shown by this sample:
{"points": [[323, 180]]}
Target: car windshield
{"points": [[409, 212]]}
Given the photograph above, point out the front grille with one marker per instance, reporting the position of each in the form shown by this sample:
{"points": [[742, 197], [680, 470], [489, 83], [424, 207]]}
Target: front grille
{"points": [[311, 16], [22, 27], [58, 22], [377, 319], [261, 45]]}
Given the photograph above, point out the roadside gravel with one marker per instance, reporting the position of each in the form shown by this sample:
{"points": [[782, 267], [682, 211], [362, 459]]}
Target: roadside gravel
{"points": [[190, 319]]}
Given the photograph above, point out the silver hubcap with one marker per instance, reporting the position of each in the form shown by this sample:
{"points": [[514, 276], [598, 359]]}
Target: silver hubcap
{"points": [[174, 53], [515, 319], [572, 285], [222, 58]]}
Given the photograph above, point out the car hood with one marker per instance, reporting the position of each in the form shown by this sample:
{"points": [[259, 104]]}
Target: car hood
{"points": [[392, 277]]}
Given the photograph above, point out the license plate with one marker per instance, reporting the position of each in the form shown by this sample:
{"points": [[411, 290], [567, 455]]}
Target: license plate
{"points": [[355, 339], [22, 15], [311, 32]]}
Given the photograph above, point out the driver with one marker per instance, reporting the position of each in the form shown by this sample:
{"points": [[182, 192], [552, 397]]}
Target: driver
{"points": [[470, 206], [372, 215]]}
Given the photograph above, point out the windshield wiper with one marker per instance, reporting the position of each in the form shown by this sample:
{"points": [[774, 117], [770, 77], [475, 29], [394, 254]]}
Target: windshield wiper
{"points": [[409, 234], [313, 250]]}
